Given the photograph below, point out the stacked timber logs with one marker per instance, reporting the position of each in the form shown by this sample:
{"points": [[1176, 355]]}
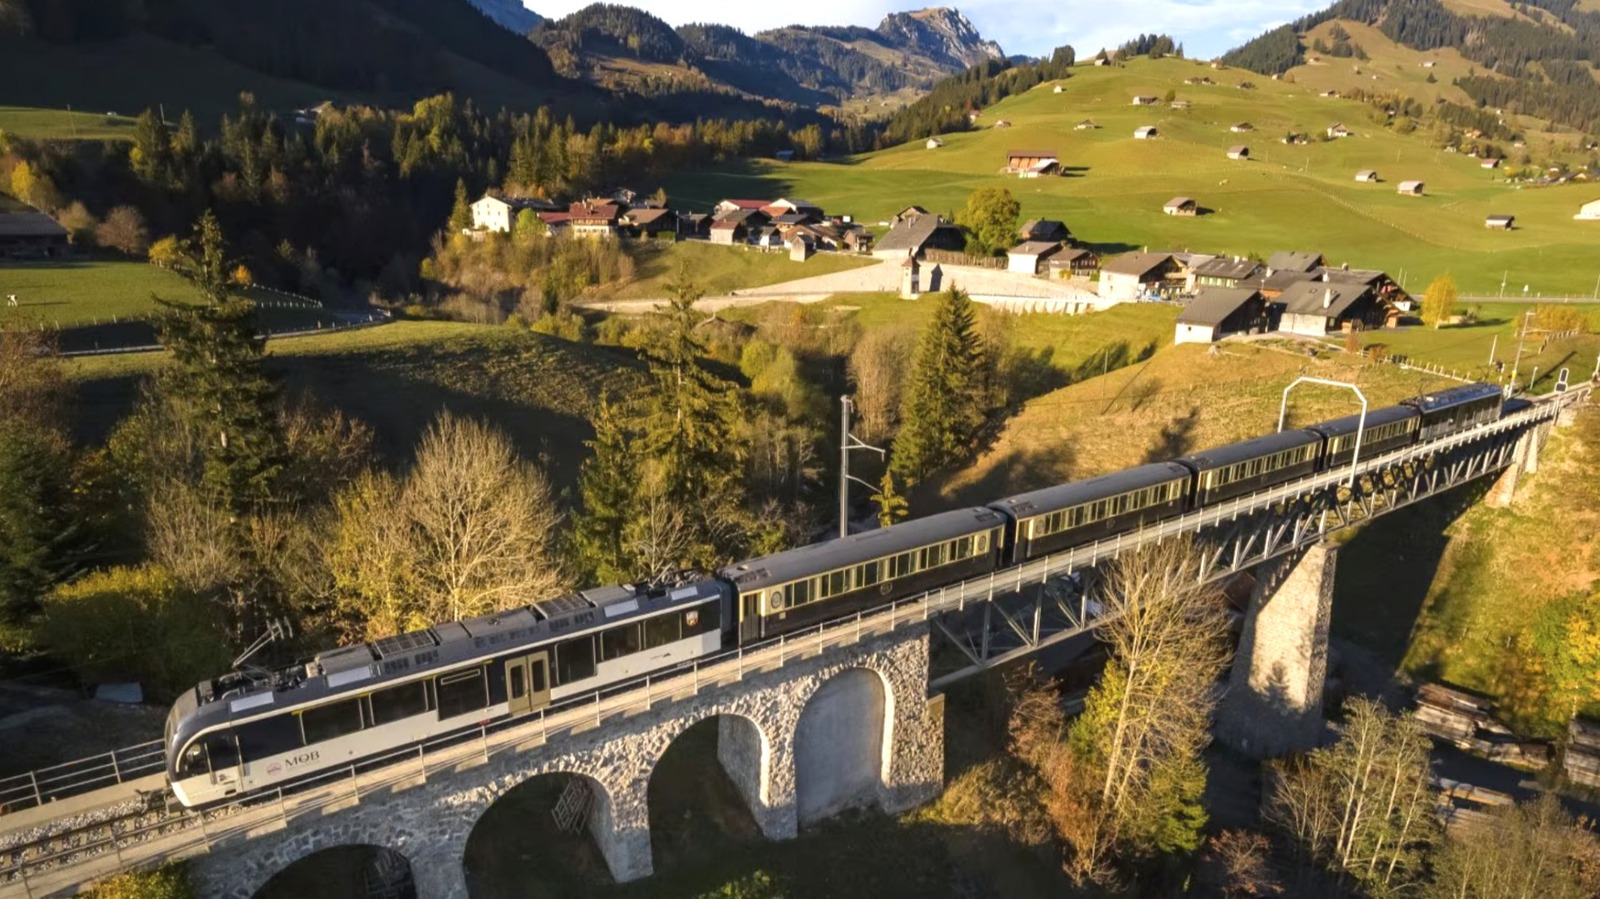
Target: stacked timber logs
{"points": [[1582, 762], [1467, 722]]}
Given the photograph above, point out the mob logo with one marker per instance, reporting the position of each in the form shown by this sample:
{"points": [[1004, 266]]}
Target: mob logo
{"points": [[293, 762]]}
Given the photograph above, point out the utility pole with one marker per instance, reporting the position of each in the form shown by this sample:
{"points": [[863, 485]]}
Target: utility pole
{"points": [[1493, 345], [1520, 338], [1503, 279], [848, 442]]}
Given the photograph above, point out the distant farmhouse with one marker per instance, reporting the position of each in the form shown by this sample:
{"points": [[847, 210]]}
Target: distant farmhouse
{"points": [[1146, 132], [1489, 164], [1338, 129], [1224, 271], [1031, 257], [31, 235], [1086, 125], [1142, 100], [1032, 163], [1500, 222], [1410, 188], [914, 232], [1295, 261], [1181, 206], [1590, 212], [1044, 229], [1322, 307], [1367, 176], [934, 143], [1295, 139], [1135, 276], [493, 212], [1216, 312], [1239, 152], [1074, 262], [1242, 127]]}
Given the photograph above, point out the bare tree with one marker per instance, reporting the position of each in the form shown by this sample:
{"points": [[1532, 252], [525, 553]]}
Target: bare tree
{"points": [[1126, 780], [32, 383], [1534, 849], [124, 230], [879, 364], [1236, 862], [188, 533], [482, 522], [470, 530], [1363, 807]]}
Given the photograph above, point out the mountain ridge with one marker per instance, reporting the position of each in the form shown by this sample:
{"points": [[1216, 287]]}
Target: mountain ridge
{"points": [[509, 14]]}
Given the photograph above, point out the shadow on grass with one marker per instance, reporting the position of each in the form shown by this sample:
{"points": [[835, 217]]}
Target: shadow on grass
{"points": [[1386, 570]]}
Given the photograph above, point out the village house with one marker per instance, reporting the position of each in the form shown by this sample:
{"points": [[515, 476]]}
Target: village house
{"points": [[1058, 89], [1003, 123], [1590, 212], [1367, 176], [1074, 262], [695, 224], [934, 143], [914, 233], [1223, 271], [31, 235], [1142, 100], [1242, 127], [1489, 164], [1322, 307], [801, 247], [736, 227], [1216, 312], [1146, 132], [498, 213], [590, 220], [1296, 139], [1241, 152], [1031, 163], [1031, 257], [1181, 206], [810, 212], [648, 221], [1500, 222], [1410, 188], [1086, 125], [1135, 276], [727, 207], [1044, 229], [1295, 261], [1338, 130]]}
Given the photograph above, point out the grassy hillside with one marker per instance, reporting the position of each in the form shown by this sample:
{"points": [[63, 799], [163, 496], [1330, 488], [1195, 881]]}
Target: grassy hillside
{"points": [[721, 270], [1467, 348], [1302, 197], [398, 377]]}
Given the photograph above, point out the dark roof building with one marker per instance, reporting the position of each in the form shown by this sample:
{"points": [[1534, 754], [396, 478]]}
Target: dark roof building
{"points": [[31, 235], [1219, 311], [1289, 261], [917, 234], [1318, 308], [1224, 271], [1044, 229]]}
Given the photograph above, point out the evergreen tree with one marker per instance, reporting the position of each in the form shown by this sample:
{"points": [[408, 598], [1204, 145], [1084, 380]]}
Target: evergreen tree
{"points": [[943, 404], [606, 488], [892, 507], [151, 156], [461, 211], [216, 379], [37, 530]]}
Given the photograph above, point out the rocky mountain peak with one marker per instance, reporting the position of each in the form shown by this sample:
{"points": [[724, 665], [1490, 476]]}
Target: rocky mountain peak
{"points": [[509, 14], [941, 33]]}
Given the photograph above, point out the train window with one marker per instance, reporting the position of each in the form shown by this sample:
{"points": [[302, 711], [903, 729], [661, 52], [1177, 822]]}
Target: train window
{"points": [[193, 762], [800, 593], [964, 548], [620, 641], [867, 574], [329, 722], [574, 660], [838, 582], [462, 692], [664, 629], [399, 702], [702, 620], [540, 682]]}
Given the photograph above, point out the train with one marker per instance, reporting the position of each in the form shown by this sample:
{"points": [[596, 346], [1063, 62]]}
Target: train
{"points": [[257, 730]]}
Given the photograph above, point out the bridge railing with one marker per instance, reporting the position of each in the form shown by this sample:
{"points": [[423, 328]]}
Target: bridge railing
{"points": [[192, 832], [74, 778]]}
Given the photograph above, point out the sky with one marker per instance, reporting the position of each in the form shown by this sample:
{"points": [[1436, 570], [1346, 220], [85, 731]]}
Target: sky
{"points": [[1207, 28]]}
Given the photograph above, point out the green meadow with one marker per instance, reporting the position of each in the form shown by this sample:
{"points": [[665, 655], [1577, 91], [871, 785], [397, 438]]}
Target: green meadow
{"points": [[87, 291], [1285, 197]]}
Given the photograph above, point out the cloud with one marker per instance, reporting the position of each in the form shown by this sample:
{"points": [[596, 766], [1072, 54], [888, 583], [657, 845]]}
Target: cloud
{"points": [[1205, 27]]}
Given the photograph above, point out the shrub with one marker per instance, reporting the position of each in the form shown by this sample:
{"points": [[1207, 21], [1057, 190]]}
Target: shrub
{"points": [[165, 882], [134, 623], [563, 324]]}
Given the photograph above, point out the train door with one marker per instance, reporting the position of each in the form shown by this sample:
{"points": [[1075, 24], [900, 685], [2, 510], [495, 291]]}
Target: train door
{"points": [[750, 617], [528, 682]]}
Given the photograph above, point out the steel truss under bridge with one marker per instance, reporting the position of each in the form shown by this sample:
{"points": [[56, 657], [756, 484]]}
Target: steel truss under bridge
{"points": [[1019, 611]]}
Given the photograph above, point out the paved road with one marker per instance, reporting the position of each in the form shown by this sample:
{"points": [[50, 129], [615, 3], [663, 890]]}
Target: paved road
{"points": [[881, 278]]}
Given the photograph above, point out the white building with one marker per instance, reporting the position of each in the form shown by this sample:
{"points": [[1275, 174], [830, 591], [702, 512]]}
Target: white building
{"points": [[1590, 212]]}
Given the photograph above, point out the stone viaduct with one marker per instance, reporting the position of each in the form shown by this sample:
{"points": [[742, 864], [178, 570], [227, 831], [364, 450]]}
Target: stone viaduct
{"points": [[846, 726]]}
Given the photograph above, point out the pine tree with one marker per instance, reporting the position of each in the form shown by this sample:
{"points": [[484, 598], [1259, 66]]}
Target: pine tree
{"points": [[461, 211], [37, 531], [216, 378], [892, 507], [943, 404], [606, 488]]}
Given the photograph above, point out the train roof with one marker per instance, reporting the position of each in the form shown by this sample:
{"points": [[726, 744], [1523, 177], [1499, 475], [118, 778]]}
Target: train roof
{"points": [[1065, 496], [1221, 456], [440, 646], [828, 555], [1339, 427], [1454, 396]]}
